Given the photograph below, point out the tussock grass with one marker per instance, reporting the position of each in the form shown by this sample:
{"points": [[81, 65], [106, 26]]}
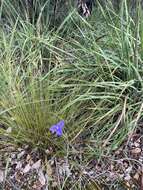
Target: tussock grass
{"points": [[95, 72], [87, 72]]}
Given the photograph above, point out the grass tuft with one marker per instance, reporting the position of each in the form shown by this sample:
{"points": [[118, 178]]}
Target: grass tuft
{"points": [[85, 72]]}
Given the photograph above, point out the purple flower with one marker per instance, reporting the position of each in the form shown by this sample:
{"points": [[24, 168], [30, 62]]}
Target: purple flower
{"points": [[57, 128]]}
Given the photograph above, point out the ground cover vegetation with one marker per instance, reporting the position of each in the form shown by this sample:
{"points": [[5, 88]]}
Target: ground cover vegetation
{"points": [[71, 89]]}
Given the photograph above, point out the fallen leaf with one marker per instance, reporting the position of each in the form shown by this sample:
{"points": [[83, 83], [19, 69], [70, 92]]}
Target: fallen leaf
{"points": [[127, 177], [129, 169], [136, 144], [126, 164], [42, 178], [54, 184], [21, 154], [37, 186], [48, 169], [19, 165], [36, 165], [128, 185], [136, 150], [27, 168], [66, 169], [1, 176], [18, 176], [28, 157], [111, 167], [136, 176]]}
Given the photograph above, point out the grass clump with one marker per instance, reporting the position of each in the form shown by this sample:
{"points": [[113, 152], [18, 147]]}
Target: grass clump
{"points": [[33, 96], [93, 73], [86, 72]]}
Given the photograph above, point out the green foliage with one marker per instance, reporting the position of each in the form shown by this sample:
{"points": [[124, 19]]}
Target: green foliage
{"points": [[86, 72], [42, 13]]}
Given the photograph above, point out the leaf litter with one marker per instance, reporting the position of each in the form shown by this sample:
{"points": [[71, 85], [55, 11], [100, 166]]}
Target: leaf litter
{"points": [[29, 170]]}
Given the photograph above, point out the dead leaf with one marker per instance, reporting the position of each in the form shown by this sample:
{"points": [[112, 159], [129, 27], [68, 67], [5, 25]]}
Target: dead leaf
{"points": [[136, 144], [127, 177], [37, 186], [54, 184], [18, 166], [42, 178], [36, 165], [1, 176], [18, 176], [27, 168], [136, 150], [21, 154], [128, 185], [48, 169], [66, 169], [28, 157], [129, 169], [136, 176]]}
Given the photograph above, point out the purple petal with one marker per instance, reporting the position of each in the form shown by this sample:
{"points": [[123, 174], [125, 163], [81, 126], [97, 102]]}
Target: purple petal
{"points": [[53, 129], [59, 132], [61, 123], [57, 128]]}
